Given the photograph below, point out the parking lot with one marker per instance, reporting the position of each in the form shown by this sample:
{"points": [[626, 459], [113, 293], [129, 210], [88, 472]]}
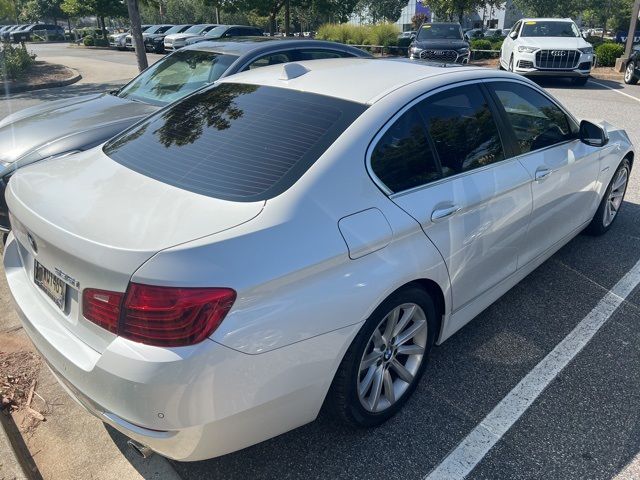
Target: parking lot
{"points": [[584, 424]]}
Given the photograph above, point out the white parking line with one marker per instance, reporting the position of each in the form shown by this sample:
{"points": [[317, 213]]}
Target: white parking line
{"points": [[464, 458], [617, 91]]}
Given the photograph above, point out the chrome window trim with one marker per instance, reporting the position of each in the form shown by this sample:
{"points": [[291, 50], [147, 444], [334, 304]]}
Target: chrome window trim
{"points": [[389, 123]]}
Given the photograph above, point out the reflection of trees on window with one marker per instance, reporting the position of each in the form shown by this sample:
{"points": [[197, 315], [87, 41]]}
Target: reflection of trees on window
{"points": [[466, 140], [403, 159], [536, 121], [184, 123]]}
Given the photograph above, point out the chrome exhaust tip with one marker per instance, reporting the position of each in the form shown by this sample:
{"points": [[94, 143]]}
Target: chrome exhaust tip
{"points": [[142, 450]]}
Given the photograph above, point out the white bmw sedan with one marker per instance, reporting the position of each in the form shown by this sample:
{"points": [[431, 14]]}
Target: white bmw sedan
{"points": [[293, 237]]}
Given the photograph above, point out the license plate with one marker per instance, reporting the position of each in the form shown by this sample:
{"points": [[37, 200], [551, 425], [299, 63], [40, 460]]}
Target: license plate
{"points": [[55, 288]]}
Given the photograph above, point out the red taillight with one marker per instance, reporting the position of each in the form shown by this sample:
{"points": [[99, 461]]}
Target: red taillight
{"points": [[163, 316], [102, 307]]}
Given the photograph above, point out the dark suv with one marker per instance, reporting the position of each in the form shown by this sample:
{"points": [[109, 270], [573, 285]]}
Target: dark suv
{"points": [[632, 70], [440, 42], [26, 34]]}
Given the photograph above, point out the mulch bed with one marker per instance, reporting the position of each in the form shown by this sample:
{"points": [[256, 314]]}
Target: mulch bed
{"points": [[41, 74]]}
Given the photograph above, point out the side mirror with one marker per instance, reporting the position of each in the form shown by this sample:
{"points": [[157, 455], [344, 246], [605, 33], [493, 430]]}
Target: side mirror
{"points": [[592, 134], [513, 35]]}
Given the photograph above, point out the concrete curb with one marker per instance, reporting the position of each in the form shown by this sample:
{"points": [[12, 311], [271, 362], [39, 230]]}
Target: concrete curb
{"points": [[15, 460], [59, 83]]}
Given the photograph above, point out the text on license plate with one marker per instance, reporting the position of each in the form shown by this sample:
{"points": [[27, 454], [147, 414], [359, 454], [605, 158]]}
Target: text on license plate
{"points": [[55, 288]]}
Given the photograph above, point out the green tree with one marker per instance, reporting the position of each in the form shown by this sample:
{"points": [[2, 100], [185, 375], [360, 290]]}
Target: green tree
{"points": [[36, 10], [99, 8]]}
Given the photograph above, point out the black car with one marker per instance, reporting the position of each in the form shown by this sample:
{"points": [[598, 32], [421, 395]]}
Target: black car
{"points": [[26, 34], [440, 42], [227, 31], [632, 70], [154, 42], [14, 28], [153, 29]]}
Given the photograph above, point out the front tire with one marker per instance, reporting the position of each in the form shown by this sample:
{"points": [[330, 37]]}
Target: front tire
{"points": [[385, 361], [611, 201], [630, 77]]}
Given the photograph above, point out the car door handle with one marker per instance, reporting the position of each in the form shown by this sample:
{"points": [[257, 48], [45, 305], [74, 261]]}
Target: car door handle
{"points": [[542, 173], [442, 213]]}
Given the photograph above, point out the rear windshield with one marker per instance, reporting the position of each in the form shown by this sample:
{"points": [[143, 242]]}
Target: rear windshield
{"points": [[234, 141]]}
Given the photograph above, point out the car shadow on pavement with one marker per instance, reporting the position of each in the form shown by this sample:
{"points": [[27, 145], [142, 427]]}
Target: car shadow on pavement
{"points": [[470, 373]]}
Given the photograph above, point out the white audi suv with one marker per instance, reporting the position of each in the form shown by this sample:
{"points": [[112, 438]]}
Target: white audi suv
{"points": [[547, 47], [295, 236]]}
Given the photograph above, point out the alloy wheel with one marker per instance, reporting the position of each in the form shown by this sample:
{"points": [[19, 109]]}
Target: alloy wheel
{"points": [[629, 71], [618, 187], [392, 357]]}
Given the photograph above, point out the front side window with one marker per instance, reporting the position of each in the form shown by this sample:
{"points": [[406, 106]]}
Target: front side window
{"points": [[217, 32], [176, 76], [273, 59], [235, 142], [309, 54], [536, 121], [403, 159], [463, 129]]}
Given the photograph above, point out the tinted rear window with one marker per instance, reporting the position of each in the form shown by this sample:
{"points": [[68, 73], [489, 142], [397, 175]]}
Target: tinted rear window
{"points": [[235, 142]]}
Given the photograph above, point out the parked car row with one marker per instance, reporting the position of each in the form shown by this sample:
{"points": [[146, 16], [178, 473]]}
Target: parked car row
{"points": [[163, 38], [27, 32], [300, 233]]}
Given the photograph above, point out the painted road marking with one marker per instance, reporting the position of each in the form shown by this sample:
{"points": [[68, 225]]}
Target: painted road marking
{"points": [[615, 90], [470, 451]]}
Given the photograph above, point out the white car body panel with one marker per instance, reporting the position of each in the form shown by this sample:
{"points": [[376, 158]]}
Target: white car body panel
{"points": [[510, 46], [309, 265]]}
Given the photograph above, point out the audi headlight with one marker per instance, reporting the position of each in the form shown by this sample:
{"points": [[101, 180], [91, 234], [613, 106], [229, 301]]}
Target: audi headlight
{"points": [[586, 50], [463, 50], [526, 49]]}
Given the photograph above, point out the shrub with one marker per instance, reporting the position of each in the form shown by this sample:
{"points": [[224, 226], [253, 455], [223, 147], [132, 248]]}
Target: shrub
{"points": [[607, 53], [496, 44], [89, 41], [481, 44], [385, 34], [15, 62], [101, 42]]}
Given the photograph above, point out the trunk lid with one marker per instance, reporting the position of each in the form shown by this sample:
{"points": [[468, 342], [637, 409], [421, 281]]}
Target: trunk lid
{"points": [[93, 222]]}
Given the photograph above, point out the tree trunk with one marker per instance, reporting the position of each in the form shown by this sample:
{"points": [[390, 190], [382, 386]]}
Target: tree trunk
{"points": [[69, 25], [217, 15], [287, 18], [103, 27], [460, 16], [272, 23], [136, 34]]}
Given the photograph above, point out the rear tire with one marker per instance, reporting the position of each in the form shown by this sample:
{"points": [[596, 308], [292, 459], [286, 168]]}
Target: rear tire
{"points": [[630, 77], [372, 359], [611, 201], [580, 81]]}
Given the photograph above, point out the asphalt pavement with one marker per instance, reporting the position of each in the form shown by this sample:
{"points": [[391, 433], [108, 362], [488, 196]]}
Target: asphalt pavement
{"points": [[584, 424]]}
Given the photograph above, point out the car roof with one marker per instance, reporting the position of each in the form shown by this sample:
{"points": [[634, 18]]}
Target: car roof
{"points": [[361, 80], [242, 45]]}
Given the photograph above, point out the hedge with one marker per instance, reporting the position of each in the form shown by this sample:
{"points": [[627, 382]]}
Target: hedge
{"points": [[15, 62], [385, 34], [607, 54]]}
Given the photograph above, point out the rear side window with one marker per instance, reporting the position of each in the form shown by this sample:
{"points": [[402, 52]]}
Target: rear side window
{"points": [[463, 129], [403, 159], [536, 121], [321, 54], [235, 142]]}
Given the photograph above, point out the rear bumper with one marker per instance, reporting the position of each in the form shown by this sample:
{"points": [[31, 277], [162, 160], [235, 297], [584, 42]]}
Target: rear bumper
{"points": [[188, 403]]}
